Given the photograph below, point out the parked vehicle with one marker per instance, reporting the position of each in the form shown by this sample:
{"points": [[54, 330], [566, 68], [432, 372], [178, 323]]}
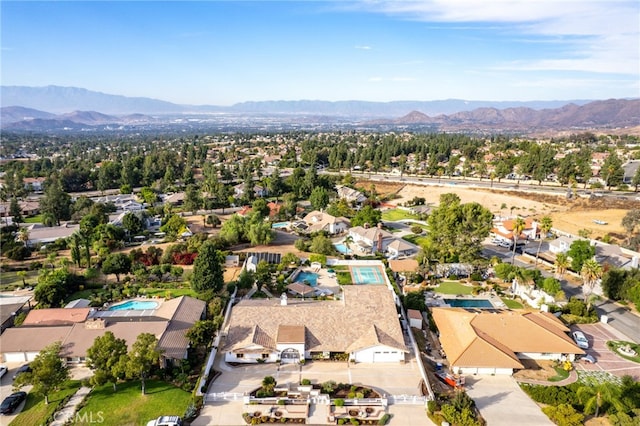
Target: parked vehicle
{"points": [[166, 421], [23, 369], [453, 380], [580, 339], [589, 359], [12, 402], [3, 371]]}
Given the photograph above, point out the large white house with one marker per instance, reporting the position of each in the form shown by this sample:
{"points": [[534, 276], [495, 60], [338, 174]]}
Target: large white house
{"points": [[375, 239], [363, 323], [321, 221]]}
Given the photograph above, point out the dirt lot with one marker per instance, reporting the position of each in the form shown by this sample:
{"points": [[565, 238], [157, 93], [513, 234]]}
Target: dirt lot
{"points": [[568, 215]]}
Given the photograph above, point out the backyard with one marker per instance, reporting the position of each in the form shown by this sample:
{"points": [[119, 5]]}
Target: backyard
{"points": [[453, 287], [394, 215]]}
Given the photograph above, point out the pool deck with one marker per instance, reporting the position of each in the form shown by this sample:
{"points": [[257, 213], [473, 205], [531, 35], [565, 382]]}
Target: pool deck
{"points": [[326, 280], [437, 300]]}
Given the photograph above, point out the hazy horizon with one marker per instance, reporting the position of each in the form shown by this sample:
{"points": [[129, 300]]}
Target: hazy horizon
{"points": [[227, 52]]}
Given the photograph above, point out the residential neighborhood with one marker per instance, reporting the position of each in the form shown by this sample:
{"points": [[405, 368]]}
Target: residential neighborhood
{"points": [[281, 291]]}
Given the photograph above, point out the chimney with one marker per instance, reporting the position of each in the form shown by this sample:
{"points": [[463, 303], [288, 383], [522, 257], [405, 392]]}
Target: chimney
{"points": [[366, 225], [379, 225], [379, 241], [283, 299], [95, 324]]}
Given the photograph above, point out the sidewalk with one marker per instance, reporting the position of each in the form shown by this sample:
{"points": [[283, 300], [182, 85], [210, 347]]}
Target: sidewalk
{"points": [[68, 411]]}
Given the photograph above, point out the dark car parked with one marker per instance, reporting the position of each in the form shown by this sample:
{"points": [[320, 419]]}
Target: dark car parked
{"points": [[12, 402], [23, 369]]}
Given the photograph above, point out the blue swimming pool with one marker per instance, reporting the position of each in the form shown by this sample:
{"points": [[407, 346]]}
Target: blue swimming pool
{"points": [[309, 277], [342, 248], [135, 305], [367, 275], [468, 303], [279, 225]]}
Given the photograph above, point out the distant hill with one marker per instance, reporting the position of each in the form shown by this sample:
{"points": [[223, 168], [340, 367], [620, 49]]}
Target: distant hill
{"points": [[17, 113], [57, 99], [612, 113]]}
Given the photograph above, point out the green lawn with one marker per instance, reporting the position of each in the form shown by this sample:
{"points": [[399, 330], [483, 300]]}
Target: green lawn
{"points": [[512, 304], [11, 280], [172, 292], [36, 412], [128, 406], [397, 214], [33, 219], [453, 287], [416, 239], [561, 374]]}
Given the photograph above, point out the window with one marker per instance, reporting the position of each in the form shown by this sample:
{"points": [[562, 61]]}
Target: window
{"points": [[265, 356], [239, 355]]}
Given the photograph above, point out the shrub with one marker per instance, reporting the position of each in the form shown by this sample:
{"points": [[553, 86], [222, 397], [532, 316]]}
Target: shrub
{"points": [[384, 419], [416, 229], [354, 421], [433, 406], [551, 395], [305, 382], [339, 402], [340, 421], [564, 415]]}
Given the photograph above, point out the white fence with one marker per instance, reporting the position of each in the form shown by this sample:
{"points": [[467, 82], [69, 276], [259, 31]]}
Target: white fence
{"points": [[407, 399]]}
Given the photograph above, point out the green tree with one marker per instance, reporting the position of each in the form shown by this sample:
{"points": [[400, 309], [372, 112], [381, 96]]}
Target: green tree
{"points": [[201, 333], [52, 287], [518, 227], [260, 233], [103, 358], [55, 201], [635, 181], [132, 223], [612, 170], [579, 251], [174, 225], [591, 272], [208, 269], [232, 230], [366, 215], [593, 397], [213, 220], [546, 223], [116, 263], [631, 223], [48, 372], [319, 198], [15, 211], [322, 245], [263, 274], [561, 263], [141, 359], [246, 280], [148, 195]]}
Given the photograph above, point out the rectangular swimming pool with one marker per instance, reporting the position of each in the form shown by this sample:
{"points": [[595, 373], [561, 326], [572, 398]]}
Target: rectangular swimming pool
{"points": [[310, 277], [280, 225], [469, 303], [367, 275]]}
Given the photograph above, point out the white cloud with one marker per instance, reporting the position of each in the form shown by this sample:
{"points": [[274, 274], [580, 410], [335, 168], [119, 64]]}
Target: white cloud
{"points": [[600, 35], [361, 47]]}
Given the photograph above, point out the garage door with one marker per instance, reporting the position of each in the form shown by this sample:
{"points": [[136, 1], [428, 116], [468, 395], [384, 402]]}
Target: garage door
{"points": [[15, 357], [32, 355], [385, 356]]}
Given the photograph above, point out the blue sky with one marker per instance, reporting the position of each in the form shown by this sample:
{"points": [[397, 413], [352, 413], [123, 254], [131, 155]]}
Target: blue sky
{"points": [[223, 52]]}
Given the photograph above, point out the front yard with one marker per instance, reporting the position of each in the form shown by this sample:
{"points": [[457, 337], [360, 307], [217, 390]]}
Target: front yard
{"points": [[36, 412], [128, 406], [453, 287]]}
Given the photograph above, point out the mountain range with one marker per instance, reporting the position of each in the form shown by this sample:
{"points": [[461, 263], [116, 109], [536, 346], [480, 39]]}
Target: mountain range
{"points": [[46, 108]]}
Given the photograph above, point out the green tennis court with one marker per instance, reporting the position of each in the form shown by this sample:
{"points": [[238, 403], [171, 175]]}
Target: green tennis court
{"points": [[367, 275]]}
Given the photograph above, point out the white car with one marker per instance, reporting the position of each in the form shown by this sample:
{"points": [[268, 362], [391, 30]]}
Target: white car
{"points": [[166, 421], [3, 370], [580, 340]]}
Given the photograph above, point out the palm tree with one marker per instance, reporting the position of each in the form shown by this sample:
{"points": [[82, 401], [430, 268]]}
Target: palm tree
{"points": [[546, 223], [518, 227], [591, 272], [23, 236], [347, 241], [23, 275], [562, 263], [596, 396]]}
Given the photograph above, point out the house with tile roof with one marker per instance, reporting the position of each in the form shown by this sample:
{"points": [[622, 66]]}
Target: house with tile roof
{"points": [[321, 221], [490, 342], [375, 239], [77, 328], [352, 196], [503, 230], [290, 330]]}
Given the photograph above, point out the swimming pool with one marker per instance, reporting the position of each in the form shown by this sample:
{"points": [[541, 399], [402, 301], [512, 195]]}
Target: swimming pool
{"points": [[468, 303], [310, 277], [367, 275], [135, 305], [342, 248], [278, 225]]}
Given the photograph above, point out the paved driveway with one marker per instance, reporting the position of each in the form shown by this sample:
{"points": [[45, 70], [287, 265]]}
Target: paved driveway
{"points": [[6, 389], [502, 402], [390, 379], [598, 335]]}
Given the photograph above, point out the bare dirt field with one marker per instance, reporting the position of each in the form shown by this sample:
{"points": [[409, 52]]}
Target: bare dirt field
{"points": [[568, 215]]}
